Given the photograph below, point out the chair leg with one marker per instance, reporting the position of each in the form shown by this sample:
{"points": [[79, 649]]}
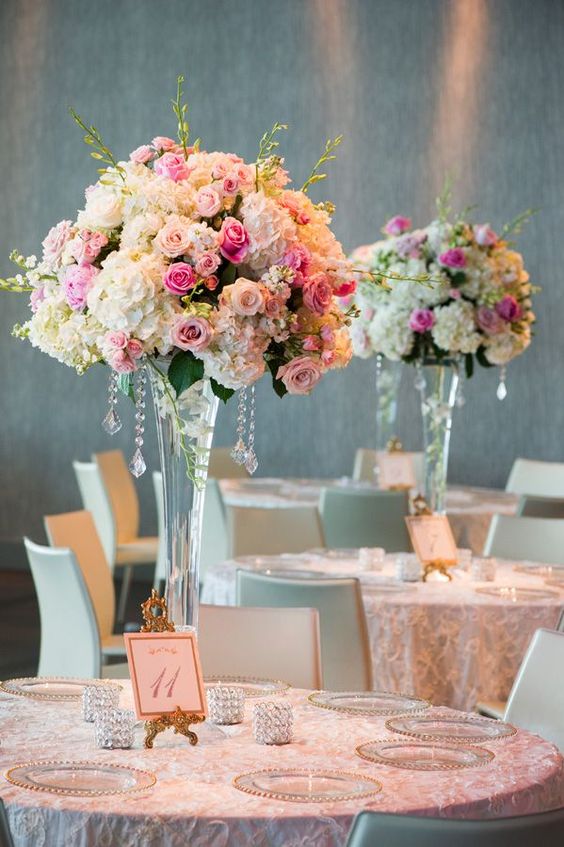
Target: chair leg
{"points": [[125, 583]]}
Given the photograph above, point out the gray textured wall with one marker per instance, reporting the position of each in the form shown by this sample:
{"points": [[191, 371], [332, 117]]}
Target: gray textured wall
{"points": [[418, 87]]}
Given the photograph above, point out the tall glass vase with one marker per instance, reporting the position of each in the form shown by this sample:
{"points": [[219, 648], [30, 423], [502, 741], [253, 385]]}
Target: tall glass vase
{"points": [[185, 433], [388, 378], [438, 384]]}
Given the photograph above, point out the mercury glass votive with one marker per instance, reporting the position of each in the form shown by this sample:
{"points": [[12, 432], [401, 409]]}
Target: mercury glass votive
{"points": [[408, 567], [371, 558], [96, 697], [483, 570], [273, 722], [226, 704], [114, 728], [464, 558]]}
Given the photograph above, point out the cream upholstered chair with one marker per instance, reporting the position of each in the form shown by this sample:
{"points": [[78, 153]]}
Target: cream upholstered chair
{"points": [[5, 834], [540, 479], [70, 639], [372, 829], [345, 648], [535, 539], [365, 460], [365, 519], [222, 466], [536, 700], [540, 507], [255, 531], [262, 642]]}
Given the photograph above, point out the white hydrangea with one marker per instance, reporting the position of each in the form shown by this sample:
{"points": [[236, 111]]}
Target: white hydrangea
{"points": [[454, 328], [389, 332], [270, 230]]}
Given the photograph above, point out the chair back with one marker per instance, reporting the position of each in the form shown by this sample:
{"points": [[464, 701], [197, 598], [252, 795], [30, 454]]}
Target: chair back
{"points": [[540, 507], [345, 648], [96, 501], [222, 466], [5, 834], [77, 532], [70, 641], [365, 518], [536, 700], [365, 462], [263, 642], [540, 479], [372, 828], [121, 492], [256, 531], [534, 539]]}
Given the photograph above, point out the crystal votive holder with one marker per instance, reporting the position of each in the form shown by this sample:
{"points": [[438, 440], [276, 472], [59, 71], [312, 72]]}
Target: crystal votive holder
{"points": [[371, 558], [464, 558], [226, 704], [96, 697], [408, 568], [113, 728], [273, 722], [483, 570]]}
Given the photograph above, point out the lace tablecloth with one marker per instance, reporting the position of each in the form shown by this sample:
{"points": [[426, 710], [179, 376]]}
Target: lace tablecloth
{"points": [[470, 510], [441, 641], [194, 802]]}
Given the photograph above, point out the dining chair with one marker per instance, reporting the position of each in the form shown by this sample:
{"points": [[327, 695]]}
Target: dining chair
{"points": [[261, 642], [256, 531], [365, 461], [70, 638], [365, 519], [373, 829], [5, 834], [534, 539], [214, 547], [540, 507], [345, 648], [540, 479], [222, 466]]}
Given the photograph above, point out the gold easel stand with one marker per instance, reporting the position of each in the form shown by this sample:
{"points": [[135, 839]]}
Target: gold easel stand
{"points": [[394, 445], [440, 566], [155, 616]]}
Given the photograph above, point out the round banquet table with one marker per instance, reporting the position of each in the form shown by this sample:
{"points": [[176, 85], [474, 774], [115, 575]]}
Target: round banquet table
{"points": [[445, 642], [470, 510], [194, 802]]}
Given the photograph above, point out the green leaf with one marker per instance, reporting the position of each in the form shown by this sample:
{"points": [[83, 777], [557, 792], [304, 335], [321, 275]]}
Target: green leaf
{"points": [[458, 278], [125, 385], [277, 384], [184, 371], [229, 274], [481, 357], [221, 391], [469, 365]]}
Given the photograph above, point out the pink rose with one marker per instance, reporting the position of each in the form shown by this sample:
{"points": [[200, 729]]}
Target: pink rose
{"points": [[246, 297], [78, 281], [327, 335], [488, 320], [86, 246], [122, 363], [293, 203], [208, 202], [274, 306], [300, 375], [221, 168], [211, 282], [135, 348], [233, 240], [317, 294], [311, 343], [421, 320], [173, 166], [455, 293], [161, 142], [244, 173], [328, 357], [55, 240], [174, 238], [117, 339], [345, 289], [207, 263], [36, 297], [191, 333], [485, 236], [179, 278], [509, 309], [142, 155], [397, 225], [230, 185], [453, 258]]}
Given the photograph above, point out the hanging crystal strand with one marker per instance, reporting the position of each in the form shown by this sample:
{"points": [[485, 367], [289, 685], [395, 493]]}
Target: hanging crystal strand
{"points": [[137, 464], [460, 398], [111, 422], [502, 388], [419, 381], [251, 461], [239, 451]]}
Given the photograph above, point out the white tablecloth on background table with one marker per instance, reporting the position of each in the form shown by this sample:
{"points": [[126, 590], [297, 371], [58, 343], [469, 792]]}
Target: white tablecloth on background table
{"points": [[194, 802], [470, 510], [441, 641]]}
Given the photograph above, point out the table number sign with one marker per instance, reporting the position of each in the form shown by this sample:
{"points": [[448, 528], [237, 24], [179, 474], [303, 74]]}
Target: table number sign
{"points": [[433, 542], [395, 470]]}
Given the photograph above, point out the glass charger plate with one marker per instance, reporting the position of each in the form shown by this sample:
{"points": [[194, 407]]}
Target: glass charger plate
{"points": [[420, 756], [367, 702], [541, 570], [253, 686], [337, 553], [79, 779], [49, 688], [472, 729], [514, 594], [305, 786], [294, 573]]}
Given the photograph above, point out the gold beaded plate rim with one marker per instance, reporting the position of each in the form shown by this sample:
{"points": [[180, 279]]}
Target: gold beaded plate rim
{"points": [[488, 755], [281, 686], [13, 686], [471, 740], [372, 712], [297, 798], [77, 792]]}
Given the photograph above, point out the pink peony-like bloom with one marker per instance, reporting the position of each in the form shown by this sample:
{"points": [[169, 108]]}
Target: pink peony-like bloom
{"points": [[86, 246], [509, 309], [135, 348], [345, 289], [300, 375], [298, 257], [488, 320], [142, 155], [172, 165], [173, 239], [36, 297], [78, 281], [230, 184], [161, 142], [328, 335], [421, 320], [211, 282], [453, 258], [409, 245], [207, 263], [328, 357], [247, 297], [191, 333], [208, 202], [179, 278], [117, 339], [55, 240], [311, 343], [317, 294], [221, 168], [233, 240], [485, 236], [121, 362], [397, 225], [244, 173]]}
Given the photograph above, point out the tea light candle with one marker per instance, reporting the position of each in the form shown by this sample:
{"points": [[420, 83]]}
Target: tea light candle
{"points": [[114, 728], [96, 697], [226, 704], [371, 558], [272, 722]]}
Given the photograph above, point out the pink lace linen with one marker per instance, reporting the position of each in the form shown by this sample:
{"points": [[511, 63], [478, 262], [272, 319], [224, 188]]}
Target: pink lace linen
{"points": [[441, 641], [194, 802]]}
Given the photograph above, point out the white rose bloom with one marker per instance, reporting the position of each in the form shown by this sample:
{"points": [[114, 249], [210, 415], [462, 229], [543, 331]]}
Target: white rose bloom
{"points": [[104, 208], [500, 349]]}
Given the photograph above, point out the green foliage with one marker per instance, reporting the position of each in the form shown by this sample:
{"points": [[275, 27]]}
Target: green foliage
{"points": [[469, 365], [101, 153], [481, 357], [443, 201], [180, 109], [326, 156], [269, 143], [221, 391], [228, 274], [274, 363], [515, 226], [125, 385], [184, 371]]}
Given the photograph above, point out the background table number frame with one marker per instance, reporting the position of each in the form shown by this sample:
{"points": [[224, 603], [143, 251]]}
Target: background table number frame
{"points": [[395, 470], [433, 542]]}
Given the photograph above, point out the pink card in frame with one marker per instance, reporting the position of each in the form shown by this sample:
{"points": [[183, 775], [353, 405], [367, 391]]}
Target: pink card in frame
{"points": [[165, 673], [395, 470], [432, 539]]}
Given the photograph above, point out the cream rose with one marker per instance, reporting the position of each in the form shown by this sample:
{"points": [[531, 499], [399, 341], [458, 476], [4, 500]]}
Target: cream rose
{"points": [[174, 238], [300, 375], [246, 297], [104, 209]]}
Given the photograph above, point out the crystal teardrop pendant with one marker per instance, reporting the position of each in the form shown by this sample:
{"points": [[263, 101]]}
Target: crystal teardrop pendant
{"points": [[137, 464], [251, 462], [502, 388], [111, 423]]}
